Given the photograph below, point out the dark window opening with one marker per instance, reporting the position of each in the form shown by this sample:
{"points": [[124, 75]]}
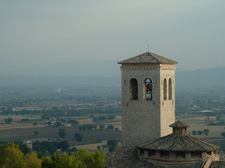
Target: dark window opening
{"points": [[151, 152], [170, 89], [147, 89], [209, 152], [141, 151], [180, 154], [133, 89], [196, 154], [165, 89], [164, 154]]}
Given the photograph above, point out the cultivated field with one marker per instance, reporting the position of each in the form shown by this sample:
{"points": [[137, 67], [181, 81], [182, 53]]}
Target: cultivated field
{"points": [[198, 123], [25, 131]]}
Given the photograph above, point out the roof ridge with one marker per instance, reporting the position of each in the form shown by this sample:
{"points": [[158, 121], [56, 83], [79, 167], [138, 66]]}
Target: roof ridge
{"points": [[178, 142], [152, 54], [147, 58], [199, 141], [191, 138], [179, 124]]}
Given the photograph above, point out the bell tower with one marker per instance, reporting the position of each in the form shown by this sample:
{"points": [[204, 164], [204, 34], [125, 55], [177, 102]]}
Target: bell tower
{"points": [[148, 97]]}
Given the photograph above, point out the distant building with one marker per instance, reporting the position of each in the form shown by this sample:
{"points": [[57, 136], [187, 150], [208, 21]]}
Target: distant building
{"points": [[28, 144]]}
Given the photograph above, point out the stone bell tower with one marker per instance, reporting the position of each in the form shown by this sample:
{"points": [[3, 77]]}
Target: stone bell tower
{"points": [[148, 97]]}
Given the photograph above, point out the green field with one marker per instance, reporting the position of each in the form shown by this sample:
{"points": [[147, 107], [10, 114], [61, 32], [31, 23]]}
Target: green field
{"points": [[25, 131]]}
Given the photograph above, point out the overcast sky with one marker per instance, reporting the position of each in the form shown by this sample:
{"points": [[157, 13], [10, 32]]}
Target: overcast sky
{"points": [[40, 32]]}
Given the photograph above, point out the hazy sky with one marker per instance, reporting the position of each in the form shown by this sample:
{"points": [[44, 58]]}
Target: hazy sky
{"points": [[37, 32]]}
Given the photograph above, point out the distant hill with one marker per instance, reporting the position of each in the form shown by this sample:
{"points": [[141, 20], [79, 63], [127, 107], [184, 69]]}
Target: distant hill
{"points": [[59, 81], [86, 68], [100, 74], [201, 78]]}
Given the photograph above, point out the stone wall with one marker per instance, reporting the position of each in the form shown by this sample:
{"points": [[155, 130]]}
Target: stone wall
{"points": [[144, 120], [167, 116]]}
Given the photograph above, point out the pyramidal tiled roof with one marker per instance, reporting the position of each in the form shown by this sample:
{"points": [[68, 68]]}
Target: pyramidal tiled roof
{"points": [[148, 58], [179, 124], [179, 142]]}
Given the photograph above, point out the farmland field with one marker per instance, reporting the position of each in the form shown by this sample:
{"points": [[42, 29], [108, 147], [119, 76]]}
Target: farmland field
{"points": [[44, 105], [25, 131]]}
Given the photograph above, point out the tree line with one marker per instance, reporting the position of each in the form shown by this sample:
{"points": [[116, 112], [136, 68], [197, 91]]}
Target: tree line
{"points": [[200, 132], [62, 112], [11, 156]]}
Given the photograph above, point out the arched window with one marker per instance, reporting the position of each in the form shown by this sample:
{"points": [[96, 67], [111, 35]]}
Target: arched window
{"points": [[147, 90], [170, 89], [133, 89], [165, 89]]}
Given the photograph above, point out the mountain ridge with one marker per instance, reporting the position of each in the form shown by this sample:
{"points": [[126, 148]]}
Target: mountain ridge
{"points": [[101, 73]]}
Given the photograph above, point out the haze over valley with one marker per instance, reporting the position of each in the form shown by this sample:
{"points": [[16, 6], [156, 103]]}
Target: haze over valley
{"points": [[100, 74]]}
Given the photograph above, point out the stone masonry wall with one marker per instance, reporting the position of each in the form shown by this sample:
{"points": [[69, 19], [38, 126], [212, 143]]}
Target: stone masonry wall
{"points": [[144, 120], [167, 116]]}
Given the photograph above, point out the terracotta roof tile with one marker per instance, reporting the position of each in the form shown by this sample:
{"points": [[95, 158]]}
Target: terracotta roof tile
{"points": [[179, 142], [179, 124], [148, 58], [126, 157], [217, 164]]}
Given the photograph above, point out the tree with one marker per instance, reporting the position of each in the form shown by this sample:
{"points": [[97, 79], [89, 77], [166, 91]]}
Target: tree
{"points": [[104, 147], [2, 154], [101, 127], [218, 118], [112, 145], [35, 133], [102, 118], [206, 132], [221, 122], [24, 148], [62, 132], [199, 132], [73, 122], [98, 147], [49, 123], [45, 146], [45, 116], [23, 120], [111, 117], [35, 123], [92, 116], [95, 119], [87, 127], [8, 120], [47, 162], [32, 160], [74, 149], [90, 159], [58, 124], [78, 137], [64, 145], [81, 128], [82, 158], [194, 132], [223, 134], [211, 123], [110, 127], [13, 157]]}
